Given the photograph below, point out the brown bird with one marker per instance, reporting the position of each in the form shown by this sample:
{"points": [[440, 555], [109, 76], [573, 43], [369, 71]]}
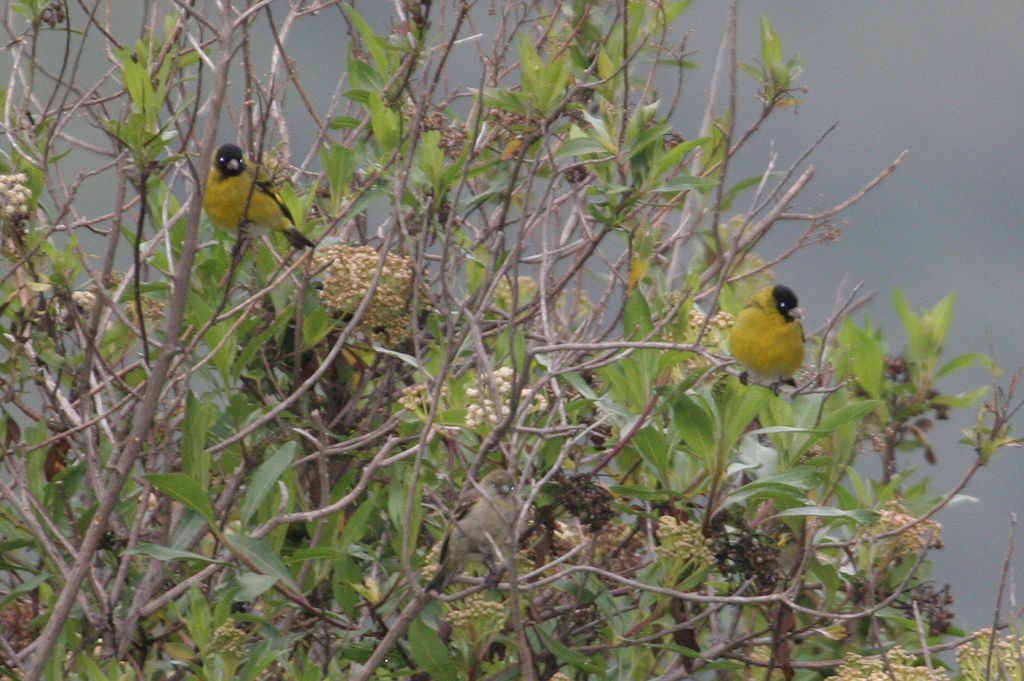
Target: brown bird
{"points": [[481, 527]]}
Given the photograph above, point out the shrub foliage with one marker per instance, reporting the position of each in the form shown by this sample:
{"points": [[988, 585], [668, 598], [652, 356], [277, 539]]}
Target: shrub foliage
{"points": [[223, 459]]}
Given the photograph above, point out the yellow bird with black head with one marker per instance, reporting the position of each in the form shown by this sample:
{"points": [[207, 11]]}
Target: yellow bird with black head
{"points": [[239, 198], [768, 337]]}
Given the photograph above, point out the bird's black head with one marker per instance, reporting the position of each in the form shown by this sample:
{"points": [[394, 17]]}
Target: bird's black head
{"points": [[785, 302], [229, 160]]}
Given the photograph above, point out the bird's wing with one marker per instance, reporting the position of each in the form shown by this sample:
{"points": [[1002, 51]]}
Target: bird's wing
{"points": [[267, 187]]}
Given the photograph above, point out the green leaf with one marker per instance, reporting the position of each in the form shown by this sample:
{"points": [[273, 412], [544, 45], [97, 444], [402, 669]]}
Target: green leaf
{"points": [[185, 489], [964, 399], [258, 342], [695, 422], [27, 586], [563, 652], [685, 183], [771, 52], [297, 205], [386, 123], [221, 336], [643, 493], [652, 447], [962, 362], [738, 407], [638, 322], [863, 353], [780, 491], [404, 505], [582, 146], [200, 415], [860, 516], [477, 268], [430, 652], [431, 161], [259, 553], [545, 83], [848, 413], [317, 323], [199, 619], [356, 525], [601, 133], [506, 100], [371, 42], [312, 553], [344, 123], [185, 532], [911, 324], [940, 317], [266, 477], [671, 159], [739, 187], [167, 554], [251, 586]]}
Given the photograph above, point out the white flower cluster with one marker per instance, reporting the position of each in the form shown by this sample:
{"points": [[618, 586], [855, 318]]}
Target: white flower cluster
{"points": [[15, 195], [478, 612], [416, 398], [981, 658], [482, 409], [349, 272], [684, 541], [899, 665], [86, 300]]}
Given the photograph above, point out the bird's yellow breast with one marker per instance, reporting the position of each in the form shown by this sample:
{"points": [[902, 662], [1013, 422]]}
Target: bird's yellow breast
{"points": [[238, 200], [768, 344]]}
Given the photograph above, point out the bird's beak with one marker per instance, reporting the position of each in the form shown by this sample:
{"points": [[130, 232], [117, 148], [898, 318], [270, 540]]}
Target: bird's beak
{"points": [[796, 313], [234, 164]]}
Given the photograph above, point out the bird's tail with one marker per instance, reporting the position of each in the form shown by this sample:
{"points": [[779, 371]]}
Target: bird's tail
{"points": [[447, 568], [445, 573], [297, 239]]}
